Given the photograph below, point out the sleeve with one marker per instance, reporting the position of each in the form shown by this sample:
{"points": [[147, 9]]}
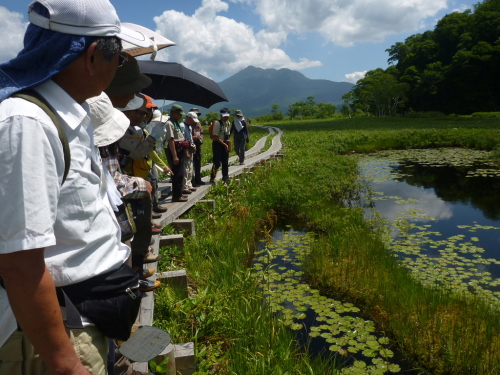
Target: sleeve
{"points": [[169, 134], [30, 159], [246, 128], [216, 130], [138, 148], [129, 186], [156, 159], [232, 129]]}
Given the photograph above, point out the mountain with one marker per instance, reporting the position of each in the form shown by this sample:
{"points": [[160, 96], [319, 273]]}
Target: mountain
{"points": [[254, 90]]}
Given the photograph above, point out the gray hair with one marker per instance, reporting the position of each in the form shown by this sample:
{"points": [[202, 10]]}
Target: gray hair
{"points": [[109, 46]]}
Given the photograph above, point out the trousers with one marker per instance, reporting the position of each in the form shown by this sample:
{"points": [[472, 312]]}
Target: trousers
{"points": [[188, 172], [18, 356], [197, 164], [178, 172], [221, 157]]}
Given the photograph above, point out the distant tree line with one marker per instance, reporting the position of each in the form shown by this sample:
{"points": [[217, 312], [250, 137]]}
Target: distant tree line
{"points": [[308, 109], [452, 69]]}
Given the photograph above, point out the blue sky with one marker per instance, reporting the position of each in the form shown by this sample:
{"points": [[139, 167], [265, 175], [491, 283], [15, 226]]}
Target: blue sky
{"points": [[336, 40]]}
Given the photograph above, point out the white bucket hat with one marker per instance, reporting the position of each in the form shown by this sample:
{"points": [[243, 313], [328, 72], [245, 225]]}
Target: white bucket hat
{"points": [[159, 117], [86, 18], [109, 123]]}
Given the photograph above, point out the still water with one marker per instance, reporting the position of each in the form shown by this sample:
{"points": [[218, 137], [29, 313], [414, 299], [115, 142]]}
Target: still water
{"points": [[443, 220], [323, 325]]}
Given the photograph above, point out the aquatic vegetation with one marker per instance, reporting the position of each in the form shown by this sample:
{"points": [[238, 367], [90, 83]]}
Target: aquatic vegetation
{"points": [[278, 269], [451, 263]]}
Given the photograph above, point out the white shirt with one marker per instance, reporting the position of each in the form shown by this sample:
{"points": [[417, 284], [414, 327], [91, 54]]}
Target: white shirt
{"points": [[75, 222]]}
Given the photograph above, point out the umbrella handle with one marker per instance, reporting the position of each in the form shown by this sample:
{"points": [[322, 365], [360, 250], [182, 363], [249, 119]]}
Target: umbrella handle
{"points": [[155, 49]]}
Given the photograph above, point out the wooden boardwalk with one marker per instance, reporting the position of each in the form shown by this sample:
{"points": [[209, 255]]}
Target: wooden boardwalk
{"points": [[176, 209]]}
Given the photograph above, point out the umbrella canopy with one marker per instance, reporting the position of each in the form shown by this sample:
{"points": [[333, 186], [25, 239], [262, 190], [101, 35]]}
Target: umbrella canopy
{"points": [[173, 81], [158, 42]]}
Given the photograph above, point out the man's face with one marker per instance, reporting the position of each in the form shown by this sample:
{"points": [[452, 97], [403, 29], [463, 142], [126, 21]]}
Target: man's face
{"points": [[105, 71], [176, 116], [190, 121], [137, 116]]}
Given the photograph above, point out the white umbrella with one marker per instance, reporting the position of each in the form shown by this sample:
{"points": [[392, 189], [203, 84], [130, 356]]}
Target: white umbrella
{"points": [[158, 42]]}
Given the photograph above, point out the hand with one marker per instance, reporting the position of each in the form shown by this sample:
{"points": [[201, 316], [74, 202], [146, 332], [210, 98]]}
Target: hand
{"points": [[167, 170], [158, 131], [227, 147], [149, 187], [176, 160]]}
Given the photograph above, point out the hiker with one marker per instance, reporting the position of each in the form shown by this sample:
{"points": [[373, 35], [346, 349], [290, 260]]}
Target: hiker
{"points": [[148, 126], [58, 228], [241, 137], [221, 145], [187, 129], [137, 146], [175, 149], [198, 141]]}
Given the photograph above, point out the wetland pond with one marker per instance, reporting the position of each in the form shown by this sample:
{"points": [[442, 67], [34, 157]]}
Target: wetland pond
{"points": [[439, 213], [439, 210], [323, 325]]}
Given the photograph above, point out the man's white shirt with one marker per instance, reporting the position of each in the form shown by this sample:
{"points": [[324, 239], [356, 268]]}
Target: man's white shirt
{"points": [[74, 222]]}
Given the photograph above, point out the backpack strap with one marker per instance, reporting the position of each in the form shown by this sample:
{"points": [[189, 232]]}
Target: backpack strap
{"points": [[35, 98]]}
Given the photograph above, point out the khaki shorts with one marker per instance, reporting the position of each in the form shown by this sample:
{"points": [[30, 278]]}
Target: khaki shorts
{"points": [[18, 357]]}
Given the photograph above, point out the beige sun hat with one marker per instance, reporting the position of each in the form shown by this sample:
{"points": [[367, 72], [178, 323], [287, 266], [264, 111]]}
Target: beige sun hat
{"points": [[109, 123]]}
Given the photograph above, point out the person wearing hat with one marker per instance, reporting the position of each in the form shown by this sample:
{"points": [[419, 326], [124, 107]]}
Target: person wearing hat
{"points": [[241, 137], [66, 233], [156, 160], [187, 126], [138, 145], [127, 81], [198, 141], [221, 145], [175, 151], [109, 126]]}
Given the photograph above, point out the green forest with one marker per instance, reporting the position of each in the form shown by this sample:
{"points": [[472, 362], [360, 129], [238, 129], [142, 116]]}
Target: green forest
{"points": [[452, 69]]}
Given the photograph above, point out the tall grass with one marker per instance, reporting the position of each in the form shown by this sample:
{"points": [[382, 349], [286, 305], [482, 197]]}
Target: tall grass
{"points": [[442, 332], [236, 334]]}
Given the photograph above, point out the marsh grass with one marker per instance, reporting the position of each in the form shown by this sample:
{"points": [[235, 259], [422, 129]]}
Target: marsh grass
{"points": [[440, 331], [234, 332]]}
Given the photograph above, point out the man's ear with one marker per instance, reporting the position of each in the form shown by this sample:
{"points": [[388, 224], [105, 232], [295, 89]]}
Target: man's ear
{"points": [[89, 59]]}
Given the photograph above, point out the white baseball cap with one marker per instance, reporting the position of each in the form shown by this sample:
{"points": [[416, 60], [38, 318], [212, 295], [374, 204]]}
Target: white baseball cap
{"points": [[109, 123], [86, 18], [193, 115]]}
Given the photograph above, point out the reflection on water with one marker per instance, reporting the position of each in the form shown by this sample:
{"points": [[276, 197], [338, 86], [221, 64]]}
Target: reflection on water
{"points": [[443, 221]]}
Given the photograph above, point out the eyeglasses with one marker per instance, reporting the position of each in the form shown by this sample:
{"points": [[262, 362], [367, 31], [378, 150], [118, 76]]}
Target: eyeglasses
{"points": [[122, 59]]}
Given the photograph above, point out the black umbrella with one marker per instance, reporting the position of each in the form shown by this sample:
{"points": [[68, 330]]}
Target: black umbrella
{"points": [[173, 81]]}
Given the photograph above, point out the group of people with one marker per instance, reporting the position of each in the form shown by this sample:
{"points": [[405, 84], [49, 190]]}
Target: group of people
{"points": [[80, 153]]}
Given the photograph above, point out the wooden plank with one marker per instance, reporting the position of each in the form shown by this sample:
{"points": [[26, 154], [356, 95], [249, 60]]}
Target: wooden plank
{"points": [[184, 358], [210, 202], [172, 240], [176, 279], [185, 225]]}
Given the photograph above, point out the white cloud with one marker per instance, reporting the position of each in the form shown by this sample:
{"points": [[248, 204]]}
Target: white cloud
{"points": [[354, 77], [346, 22], [12, 30], [215, 45], [462, 8]]}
